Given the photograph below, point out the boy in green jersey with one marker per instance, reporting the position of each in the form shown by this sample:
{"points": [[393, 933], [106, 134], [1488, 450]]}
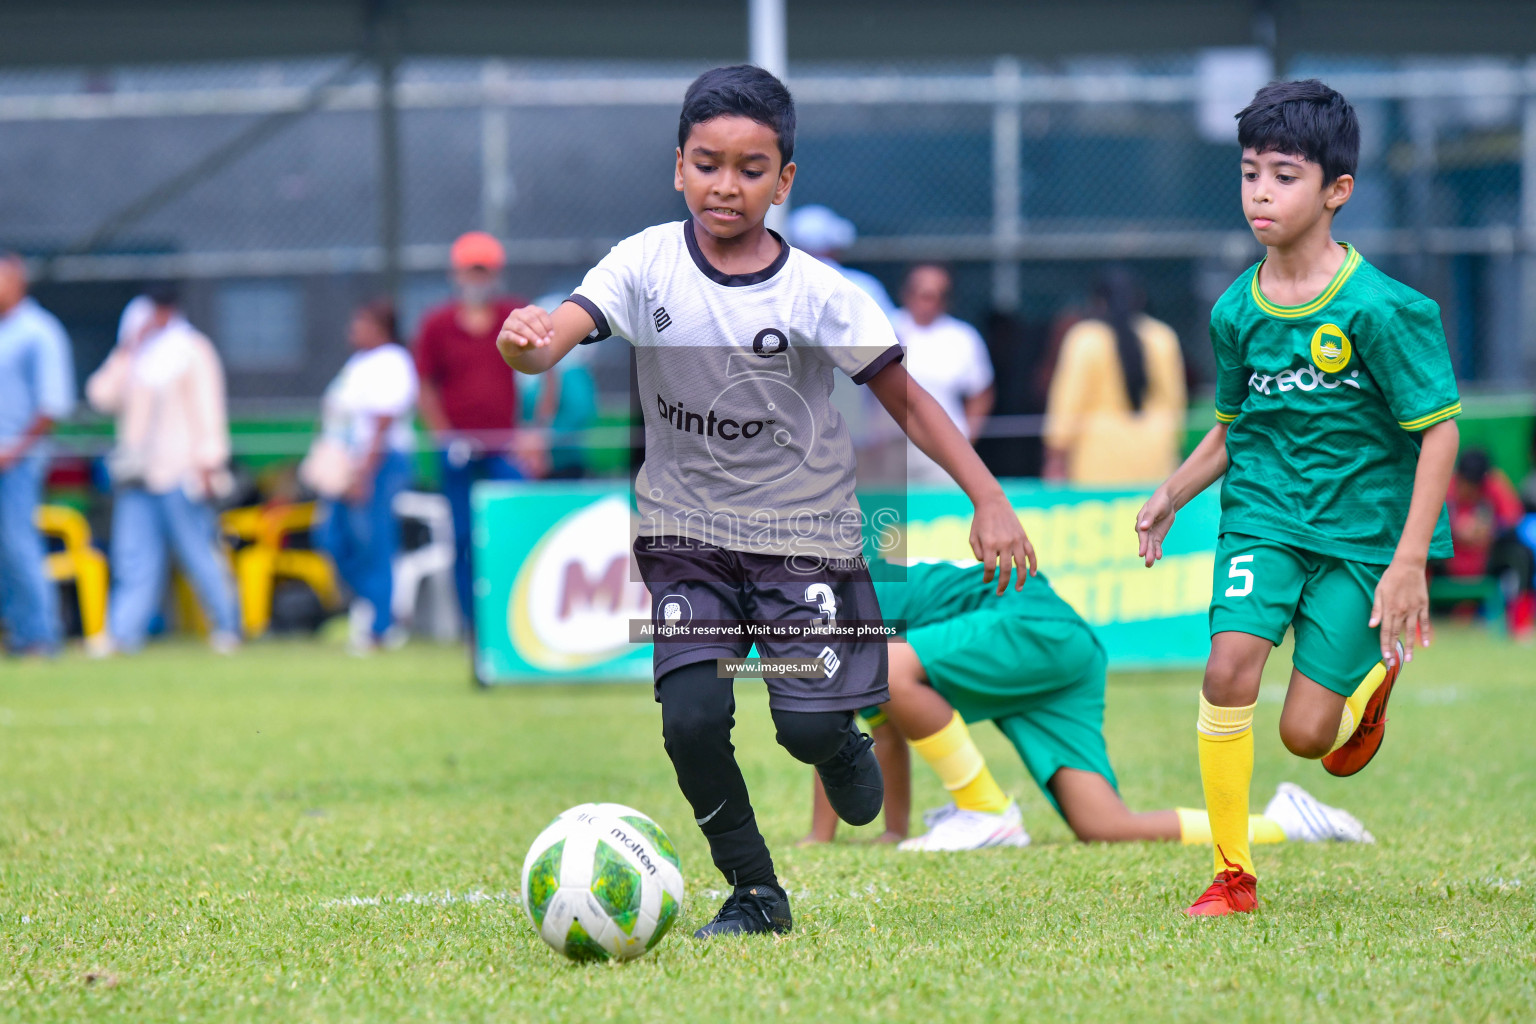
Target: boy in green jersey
{"points": [[1026, 661], [1334, 406]]}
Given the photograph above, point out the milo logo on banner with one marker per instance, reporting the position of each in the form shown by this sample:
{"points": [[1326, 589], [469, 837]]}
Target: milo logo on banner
{"points": [[572, 598], [554, 597]]}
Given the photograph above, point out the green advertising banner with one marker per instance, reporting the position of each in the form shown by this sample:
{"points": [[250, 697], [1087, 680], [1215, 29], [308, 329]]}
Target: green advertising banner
{"points": [[554, 594]]}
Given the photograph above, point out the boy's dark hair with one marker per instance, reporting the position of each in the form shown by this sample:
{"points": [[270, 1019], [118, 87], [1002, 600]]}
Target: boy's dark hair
{"points": [[1305, 119], [741, 90]]}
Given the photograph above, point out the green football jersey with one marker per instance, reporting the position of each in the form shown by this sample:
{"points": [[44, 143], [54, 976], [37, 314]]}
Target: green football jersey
{"points": [[1326, 402], [940, 591]]}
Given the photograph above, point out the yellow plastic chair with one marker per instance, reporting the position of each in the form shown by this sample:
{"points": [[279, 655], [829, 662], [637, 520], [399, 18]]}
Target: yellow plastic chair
{"points": [[79, 562], [189, 612], [260, 559]]}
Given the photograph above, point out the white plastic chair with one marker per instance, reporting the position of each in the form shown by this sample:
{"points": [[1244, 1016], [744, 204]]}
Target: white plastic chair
{"points": [[431, 564]]}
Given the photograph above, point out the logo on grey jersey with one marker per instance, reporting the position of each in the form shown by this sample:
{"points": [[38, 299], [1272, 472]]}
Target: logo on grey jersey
{"points": [[709, 425], [770, 341]]}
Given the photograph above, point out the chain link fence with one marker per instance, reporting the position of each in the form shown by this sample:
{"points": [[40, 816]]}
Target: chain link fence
{"points": [[262, 186]]}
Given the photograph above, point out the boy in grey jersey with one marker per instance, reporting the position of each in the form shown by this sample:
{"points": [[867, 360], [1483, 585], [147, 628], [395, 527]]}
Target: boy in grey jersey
{"points": [[747, 510], [735, 375]]}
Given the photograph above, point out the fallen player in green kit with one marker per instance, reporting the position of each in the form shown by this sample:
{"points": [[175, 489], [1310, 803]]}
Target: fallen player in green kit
{"points": [[1026, 661]]}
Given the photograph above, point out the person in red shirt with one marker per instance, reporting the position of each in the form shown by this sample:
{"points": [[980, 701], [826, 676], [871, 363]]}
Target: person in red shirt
{"points": [[1482, 505], [468, 397], [1484, 510]]}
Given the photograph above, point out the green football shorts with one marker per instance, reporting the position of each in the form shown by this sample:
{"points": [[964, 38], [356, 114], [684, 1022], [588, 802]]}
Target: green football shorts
{"points": [[1041, 682], [1263, 586]]}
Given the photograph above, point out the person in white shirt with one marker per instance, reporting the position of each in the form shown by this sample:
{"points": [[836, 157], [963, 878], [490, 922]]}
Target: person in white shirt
{"points": [[367, 411], [947, 357], [822, 233], [165, 385]]}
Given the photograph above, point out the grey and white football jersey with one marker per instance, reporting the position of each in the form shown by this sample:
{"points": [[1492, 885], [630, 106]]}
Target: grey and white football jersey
{"points": [[743, 448]]}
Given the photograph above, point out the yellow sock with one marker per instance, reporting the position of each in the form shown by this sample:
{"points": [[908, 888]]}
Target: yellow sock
{"points": [[1195, 828], [1226, 771], [1264, 829], [960, 767], [1354, 704]]}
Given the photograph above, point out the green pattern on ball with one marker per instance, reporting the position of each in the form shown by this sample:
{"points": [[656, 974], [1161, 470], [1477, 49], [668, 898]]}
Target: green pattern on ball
{"points": [[544, 882], [616, 884], [664, 920], [658, 838], [581, 946]]}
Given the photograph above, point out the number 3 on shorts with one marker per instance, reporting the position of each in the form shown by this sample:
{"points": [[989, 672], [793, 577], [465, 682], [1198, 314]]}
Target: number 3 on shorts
{"points": [[825, 601], [1239, 573]]}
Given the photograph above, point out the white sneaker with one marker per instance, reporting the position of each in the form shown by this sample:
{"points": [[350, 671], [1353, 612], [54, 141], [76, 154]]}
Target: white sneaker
{"points": [[972, 830], [224, 643], [100, 646], [933, 815], [1306, 819], [360, 625]]}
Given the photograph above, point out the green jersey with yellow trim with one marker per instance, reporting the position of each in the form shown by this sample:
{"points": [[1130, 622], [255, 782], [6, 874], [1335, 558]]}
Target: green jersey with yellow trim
{"points": [[1326, 402]]}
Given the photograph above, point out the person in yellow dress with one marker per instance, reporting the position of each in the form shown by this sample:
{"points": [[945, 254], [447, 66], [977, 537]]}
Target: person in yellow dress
{"points": [[1115, 413]]}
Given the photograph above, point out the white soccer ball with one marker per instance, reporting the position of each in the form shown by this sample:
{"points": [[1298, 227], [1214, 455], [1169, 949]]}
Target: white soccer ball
{"points": [[602, 881]]}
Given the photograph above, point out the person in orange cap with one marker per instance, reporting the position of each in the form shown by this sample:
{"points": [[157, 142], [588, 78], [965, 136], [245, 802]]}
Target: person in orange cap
{"points": [[468, 398]]}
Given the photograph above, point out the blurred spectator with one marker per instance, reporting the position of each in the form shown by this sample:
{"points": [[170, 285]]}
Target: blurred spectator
{"points": [[1019, 353], [37, 388], [1528, 485], [468, 397], [1116, 409], [164, 383], [1482, 505], [944, 355], [822, 233], [1485, 511], [1526, 531], [557, 406], [368, 409]]}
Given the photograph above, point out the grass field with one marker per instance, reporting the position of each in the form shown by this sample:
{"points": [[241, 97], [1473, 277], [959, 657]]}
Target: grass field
{"points": [[291, 834]]}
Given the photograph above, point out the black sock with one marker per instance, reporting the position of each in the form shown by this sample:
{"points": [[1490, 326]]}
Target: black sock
{"points": [[697, 713]]}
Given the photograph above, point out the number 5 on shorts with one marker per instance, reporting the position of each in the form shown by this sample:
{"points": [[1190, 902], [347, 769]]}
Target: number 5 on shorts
{"points": [[1238, 573]]}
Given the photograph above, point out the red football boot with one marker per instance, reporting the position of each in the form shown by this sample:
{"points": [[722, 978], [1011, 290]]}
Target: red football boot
{"points": [[1235, 891], [1362, 745]]}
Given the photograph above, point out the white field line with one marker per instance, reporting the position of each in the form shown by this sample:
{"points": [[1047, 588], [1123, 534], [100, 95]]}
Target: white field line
{"points": [[446, 898]]}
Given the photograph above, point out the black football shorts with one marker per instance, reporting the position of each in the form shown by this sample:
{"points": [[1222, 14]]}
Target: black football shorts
{"points": [[701, 584]]}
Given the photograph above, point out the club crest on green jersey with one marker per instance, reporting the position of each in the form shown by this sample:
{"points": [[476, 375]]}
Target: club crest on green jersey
{"points": [[1331, 350]]}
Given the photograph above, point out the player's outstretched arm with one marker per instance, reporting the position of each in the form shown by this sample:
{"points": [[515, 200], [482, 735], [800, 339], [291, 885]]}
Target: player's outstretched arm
{"points": [[1402, 593], [533, 338], [997, 539], [1204, 467]]}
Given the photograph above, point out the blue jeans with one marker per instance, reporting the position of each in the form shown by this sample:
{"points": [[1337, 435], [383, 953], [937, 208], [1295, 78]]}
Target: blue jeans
{"points": [[29, 603], [362, 539], [456, 483], [146, 528]]}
